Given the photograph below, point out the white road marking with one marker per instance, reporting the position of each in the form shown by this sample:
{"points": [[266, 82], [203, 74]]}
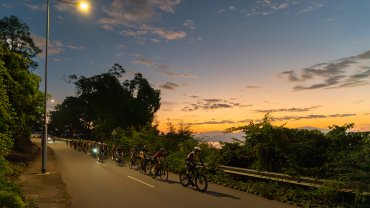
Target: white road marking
{"points": [[101, 164], [140, 181]]}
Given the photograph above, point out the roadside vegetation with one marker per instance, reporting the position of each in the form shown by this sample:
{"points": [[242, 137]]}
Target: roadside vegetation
{"points": [[20, 105]]}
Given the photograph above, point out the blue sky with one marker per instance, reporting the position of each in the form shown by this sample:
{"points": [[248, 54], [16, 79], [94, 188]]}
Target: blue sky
{"points": [[219, 63]]}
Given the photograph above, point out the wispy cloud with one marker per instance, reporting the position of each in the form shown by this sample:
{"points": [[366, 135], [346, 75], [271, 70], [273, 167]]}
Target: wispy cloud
{"points": [[232, 8], [75, 47], [168, 106], [36, 7], [55, 47], [163, 69], [7, 5], [287, 118], [252, 86], [287, 110], [346, 72], [144, 30], [310, 8], [274, 119], [267, 7], [212, 122], [169, 86], [189, 24], [212, 104], [133, 12], [332, 19]]}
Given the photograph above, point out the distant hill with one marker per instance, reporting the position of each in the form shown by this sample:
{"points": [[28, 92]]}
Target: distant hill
{"points": [[219, 136]]}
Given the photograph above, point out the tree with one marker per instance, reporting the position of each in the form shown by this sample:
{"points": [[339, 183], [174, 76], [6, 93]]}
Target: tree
{"points": [[16, 36], [25, 99], [109, 104]]}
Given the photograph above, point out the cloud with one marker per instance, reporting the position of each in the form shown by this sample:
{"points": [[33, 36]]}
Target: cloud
{"points": [[220, 11], [287, 110], [365, 114], [161, 68], [332, 19], [309, 8], [129, 12], [121, 46], [212, 122], [149, 30], [285, 118], [267, 7], [6, 5], [252, 86], [169, 86], [211, 104], [74, 47], [55, 47], [345, 72], [168, 106], [232, 8], [358, 101], [189, 24], [36, 7]]}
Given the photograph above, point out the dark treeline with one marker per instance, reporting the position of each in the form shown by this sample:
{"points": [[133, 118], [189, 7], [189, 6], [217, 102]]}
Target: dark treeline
{"points": [[103, 104]]}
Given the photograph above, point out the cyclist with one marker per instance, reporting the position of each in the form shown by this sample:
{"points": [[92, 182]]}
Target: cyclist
{"points": [[157, 159], [190, 159], [142, 156]]}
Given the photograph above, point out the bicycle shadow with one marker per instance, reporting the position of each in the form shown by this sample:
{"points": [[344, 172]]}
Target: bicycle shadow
{"points": [[218, 194]]}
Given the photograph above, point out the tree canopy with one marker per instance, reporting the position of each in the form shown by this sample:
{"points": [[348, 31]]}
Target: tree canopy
{"points": [[103, 103], [16, 36]]}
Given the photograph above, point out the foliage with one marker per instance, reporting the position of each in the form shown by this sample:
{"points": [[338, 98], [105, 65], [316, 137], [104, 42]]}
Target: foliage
{"points": [[11, 200], [25, 100], [20, 101], [103, 104], [16, 36]]}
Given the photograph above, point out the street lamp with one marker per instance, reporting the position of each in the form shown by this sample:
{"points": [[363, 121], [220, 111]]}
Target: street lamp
{"points": [[84, 7]]}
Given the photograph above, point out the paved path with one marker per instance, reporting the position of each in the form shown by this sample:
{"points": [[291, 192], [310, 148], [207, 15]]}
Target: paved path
{"points": [[93, 185]]}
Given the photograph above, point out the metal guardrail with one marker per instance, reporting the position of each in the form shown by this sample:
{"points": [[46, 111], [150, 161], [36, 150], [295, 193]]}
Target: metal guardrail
{"points": [[304, 181]]}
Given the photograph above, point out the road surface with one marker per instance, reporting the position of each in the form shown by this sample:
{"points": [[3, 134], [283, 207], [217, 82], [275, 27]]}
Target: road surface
{"points": [[94, 185]]}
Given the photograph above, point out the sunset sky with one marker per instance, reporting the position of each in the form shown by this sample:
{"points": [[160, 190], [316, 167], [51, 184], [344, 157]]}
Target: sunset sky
{"points": [[218, 63]]}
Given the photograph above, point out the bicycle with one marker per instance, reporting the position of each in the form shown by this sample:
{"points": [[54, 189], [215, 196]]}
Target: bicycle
{"points": [[195, 178], [162, 171]]}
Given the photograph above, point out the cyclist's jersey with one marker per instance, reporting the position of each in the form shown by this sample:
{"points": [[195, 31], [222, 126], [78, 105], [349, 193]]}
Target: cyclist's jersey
{"points": [[190, 157], [158, 154], [142, 154]]}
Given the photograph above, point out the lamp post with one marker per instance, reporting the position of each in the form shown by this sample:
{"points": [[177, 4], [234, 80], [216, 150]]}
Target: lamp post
{"points": [[84, 6]]}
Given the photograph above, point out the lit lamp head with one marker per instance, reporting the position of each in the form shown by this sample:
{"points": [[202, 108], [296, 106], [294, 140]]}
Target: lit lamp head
{"points": [[83, 6]]}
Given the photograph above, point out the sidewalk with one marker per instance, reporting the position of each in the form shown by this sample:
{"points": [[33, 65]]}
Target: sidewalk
{"points": [[44, 190]]}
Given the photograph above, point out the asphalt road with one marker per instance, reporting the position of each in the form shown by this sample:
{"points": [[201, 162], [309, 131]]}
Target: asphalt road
{"points": [[94, 185]]}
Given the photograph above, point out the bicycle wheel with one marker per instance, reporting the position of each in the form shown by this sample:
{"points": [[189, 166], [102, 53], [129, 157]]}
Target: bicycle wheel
{"points": [[163, 173], [201, 182], [184, 179]]}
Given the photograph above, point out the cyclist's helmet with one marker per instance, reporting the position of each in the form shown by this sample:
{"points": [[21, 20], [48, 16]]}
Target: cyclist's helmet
{"points": [[162, 149], [197, 148]]}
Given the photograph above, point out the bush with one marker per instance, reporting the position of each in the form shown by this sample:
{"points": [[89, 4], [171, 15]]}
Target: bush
{"points": [[10, 200]]}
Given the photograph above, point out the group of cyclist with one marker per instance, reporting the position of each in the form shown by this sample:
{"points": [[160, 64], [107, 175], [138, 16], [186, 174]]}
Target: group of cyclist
{"points": [[101, 150]]}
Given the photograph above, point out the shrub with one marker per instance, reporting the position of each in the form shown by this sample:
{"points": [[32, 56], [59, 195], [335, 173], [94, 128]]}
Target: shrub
{"points": [[10, 200]]}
